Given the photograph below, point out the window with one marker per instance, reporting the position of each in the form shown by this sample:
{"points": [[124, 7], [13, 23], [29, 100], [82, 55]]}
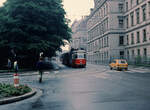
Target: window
{"points": [[138, 37], [120, 20], [80, 55], [113, 61], [127, 39], [132, 19], [99, 43], [128, 54], [107, 42], [144, 35], [107, 24], [104, 42], [137, 16], [138, 52], [126, 6], [137, 2], [121, 54], [102, 29], [131, 3], [132, 38], [106, 8], [122, 62], [145, 52], [107, 54], [132, 53], [121, 40], [104, 11], [120, 7], [127, 22], [144, 12], [149, 8]]}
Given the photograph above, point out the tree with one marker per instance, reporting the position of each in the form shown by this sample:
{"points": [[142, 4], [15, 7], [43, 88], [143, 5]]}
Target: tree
{"points": [[33, 26]]}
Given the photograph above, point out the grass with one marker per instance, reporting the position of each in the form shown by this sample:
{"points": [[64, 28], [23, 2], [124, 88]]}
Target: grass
{"points": [[8, 90]]}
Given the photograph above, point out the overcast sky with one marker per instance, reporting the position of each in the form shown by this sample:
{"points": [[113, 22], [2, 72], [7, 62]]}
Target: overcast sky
{"points": [[75, 9], [1, 1]]}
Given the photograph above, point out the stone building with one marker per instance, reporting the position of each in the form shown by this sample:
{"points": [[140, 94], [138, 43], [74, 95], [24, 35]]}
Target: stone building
{"points": [[105, 31], [79, 35], [118, 29], [137, 33]]}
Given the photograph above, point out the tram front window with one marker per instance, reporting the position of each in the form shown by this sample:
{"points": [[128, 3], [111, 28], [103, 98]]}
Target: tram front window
{"points": [[81, 56]]}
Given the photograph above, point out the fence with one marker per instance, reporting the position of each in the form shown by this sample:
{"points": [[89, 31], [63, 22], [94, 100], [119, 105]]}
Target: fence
{"points": [[133, 60], [139, 60]]}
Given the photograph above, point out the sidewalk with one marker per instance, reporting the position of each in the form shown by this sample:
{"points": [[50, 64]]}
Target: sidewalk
{"points": [[139, 67]]}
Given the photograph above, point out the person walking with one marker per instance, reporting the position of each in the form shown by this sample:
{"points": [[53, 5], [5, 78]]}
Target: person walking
{"points": [[40, 67], [9, 65]]}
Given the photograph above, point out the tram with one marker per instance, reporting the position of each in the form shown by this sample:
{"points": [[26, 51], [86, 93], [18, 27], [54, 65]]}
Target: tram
{"points": [[74, 58]]}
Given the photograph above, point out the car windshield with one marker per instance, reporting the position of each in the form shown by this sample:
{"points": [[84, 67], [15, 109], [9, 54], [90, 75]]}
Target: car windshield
{"points": [[122, 61]]}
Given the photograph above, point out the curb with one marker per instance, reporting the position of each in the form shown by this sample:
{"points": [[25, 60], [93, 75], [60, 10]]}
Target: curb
{"points": [[18, 98]]}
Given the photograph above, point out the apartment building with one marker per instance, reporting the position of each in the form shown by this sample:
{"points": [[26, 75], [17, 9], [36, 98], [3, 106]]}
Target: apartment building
{"points": [[137, 23], [118, 29], [106, 31], [79, 35]]}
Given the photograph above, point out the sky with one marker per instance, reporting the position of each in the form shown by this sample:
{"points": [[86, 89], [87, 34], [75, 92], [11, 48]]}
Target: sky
{"points": [[1, 1], [75, 9]]}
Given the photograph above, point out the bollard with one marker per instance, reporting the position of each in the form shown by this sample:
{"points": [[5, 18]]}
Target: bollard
{"points": [[16, 80]]}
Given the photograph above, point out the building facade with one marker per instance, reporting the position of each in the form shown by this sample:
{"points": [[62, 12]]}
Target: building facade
{"points": [[79, 34], [118, 29], [137, 23]]}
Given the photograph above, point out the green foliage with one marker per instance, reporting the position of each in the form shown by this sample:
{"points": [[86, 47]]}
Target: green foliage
{"points": [[7, 90], [33, 26]]}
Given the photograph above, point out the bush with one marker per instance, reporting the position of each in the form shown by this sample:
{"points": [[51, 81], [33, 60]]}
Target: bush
{"points": [[7, 90]]}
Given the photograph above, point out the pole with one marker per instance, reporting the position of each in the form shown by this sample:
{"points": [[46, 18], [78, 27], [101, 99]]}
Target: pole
{"points": [[16, 76]]}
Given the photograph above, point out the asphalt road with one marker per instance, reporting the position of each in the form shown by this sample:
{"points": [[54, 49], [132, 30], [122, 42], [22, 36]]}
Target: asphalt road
{"points": [[92, 88]]}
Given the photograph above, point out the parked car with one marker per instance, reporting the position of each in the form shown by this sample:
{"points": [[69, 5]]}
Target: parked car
{"points": [[119, 64]]}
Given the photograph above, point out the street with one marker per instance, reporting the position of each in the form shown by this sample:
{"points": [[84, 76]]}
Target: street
{"points": [[95, 87]]}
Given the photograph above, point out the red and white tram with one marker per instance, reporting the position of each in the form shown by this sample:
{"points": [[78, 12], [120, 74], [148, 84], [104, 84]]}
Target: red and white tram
{"points": [[79, 58]]}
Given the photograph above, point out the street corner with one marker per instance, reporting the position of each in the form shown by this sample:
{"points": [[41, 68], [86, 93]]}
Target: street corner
{"points": [[18, 98]]}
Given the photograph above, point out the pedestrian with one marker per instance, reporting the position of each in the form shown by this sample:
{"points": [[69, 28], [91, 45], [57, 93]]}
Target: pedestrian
{"points": [[40, 67], [9, 65]]}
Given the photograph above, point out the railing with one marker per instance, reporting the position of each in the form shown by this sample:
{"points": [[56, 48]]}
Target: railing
{"points": [[132, 60], [139, 60]]}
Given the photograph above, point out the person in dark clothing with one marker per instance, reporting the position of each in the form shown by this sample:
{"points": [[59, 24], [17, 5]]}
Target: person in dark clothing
{"points": [[40, 67], [9, 65]]}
